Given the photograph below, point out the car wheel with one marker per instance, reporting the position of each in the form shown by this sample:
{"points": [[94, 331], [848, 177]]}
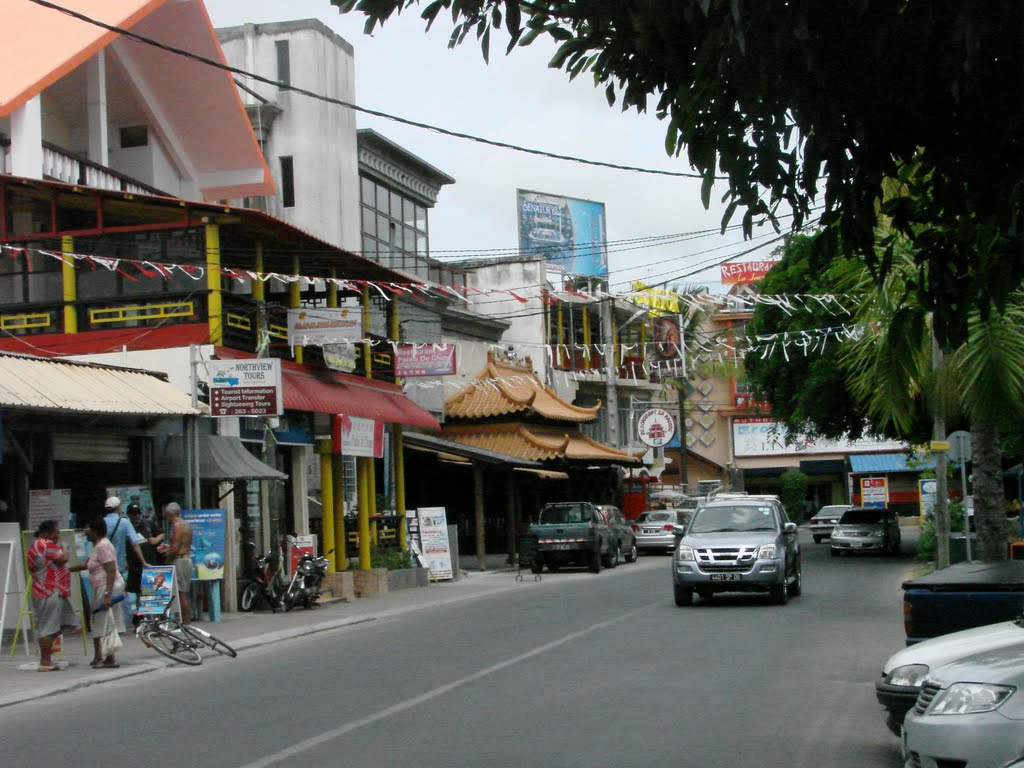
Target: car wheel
{"points": [[796, 587], [595, 561], [895, 547], [553, 566], [780, 592], [705, 594], [538, 564], [834, 552], [633, 554], [683, 595], [614, 556], [817, 539]]}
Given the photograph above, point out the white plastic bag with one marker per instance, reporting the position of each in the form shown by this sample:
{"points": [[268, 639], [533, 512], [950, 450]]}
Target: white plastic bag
{"points": [[111, 641]]}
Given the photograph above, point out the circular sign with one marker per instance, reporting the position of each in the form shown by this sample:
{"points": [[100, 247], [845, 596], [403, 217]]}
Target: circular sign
{"points": [[656, 427], [959, 446]]}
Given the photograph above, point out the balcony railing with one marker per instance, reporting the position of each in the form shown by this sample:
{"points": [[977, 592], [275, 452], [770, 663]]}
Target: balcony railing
{"points": [[61, 165]]}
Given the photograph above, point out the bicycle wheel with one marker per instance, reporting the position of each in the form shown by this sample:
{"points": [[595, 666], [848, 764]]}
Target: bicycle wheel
{"points": [[211, 642], [249, 597], [167, 644]]}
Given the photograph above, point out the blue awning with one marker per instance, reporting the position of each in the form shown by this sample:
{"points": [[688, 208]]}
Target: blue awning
{"points": [[889, 462]]}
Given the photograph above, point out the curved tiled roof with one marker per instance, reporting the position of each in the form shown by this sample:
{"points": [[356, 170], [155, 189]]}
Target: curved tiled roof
{"points": [[503, 388], [535, 442]]}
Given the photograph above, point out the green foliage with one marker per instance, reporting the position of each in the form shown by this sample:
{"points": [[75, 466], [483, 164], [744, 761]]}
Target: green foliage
{"points": [[926, 540], [392, 558], [793, 493], [795, 108]]}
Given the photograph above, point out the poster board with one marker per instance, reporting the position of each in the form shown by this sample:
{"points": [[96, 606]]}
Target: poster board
{"points": [[141, 494], [12, 574], [874, 492], [156, 590], [208, 537], [434, 542], [49, 504], [303, 545]]}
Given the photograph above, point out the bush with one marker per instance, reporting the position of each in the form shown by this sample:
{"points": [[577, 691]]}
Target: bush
{"points": [[793, 493], [392, 558]]}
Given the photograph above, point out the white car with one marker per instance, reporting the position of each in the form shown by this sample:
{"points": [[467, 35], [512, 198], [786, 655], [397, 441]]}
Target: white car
{"points": [[900, 684], [970, 713]]}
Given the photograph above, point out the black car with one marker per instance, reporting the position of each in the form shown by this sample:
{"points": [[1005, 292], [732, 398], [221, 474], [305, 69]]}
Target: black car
{"points": [[623, 538]]}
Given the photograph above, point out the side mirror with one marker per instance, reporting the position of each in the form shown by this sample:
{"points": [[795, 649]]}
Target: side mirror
{"points": [[679, 530], [789, 528]]}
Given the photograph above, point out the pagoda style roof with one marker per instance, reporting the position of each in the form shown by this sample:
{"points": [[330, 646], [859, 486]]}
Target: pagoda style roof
{"points": [[506, 388], [537, 442]]}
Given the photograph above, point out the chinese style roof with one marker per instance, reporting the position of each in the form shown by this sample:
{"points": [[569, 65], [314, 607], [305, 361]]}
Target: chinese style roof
{"points": [[506, 388], [536, 442]]}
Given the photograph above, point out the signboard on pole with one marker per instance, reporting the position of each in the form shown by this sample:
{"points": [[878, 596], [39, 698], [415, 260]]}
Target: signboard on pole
{"points": [[929, 493], [354, 436], [49, 504], [208, 534], [656, 427], [424, 360], [245, 387], [434, 542], [874, 492]]}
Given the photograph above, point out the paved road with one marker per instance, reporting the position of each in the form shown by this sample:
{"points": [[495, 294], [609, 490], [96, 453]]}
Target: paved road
{"points": [[576, 670]]}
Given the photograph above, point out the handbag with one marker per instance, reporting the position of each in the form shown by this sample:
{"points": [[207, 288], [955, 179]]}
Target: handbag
{"points": [[111, 641]]}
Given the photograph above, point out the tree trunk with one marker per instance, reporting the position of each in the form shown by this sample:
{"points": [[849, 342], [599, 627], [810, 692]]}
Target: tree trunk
{"points": [[989, 505]]}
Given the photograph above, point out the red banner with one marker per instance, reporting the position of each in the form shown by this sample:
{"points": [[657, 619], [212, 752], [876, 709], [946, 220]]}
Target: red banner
{"points": [[745, 271]]}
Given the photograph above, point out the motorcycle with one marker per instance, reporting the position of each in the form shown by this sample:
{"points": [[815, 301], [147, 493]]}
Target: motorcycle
{"points": [[306, 581], [265, 586]]}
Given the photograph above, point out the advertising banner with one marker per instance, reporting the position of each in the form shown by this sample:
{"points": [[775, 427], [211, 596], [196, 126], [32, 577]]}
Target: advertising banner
{"points": [[929, 494], [742, 272], [49, 504], [353, 436], [340, 357], [157, 589], [434, 542], [569, 232], [208, 534], [331, 325], [874, 491], [424, 360], [767, 437], [245, 387]]}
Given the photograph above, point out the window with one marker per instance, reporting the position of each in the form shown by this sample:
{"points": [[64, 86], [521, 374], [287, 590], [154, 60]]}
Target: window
{"points": [[29, 277], [284, 65], [393, 228], [134, 136], [287, 182]]}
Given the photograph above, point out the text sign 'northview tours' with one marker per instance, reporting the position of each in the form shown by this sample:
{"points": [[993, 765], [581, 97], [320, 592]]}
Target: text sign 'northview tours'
{"points": [[245, 387]]}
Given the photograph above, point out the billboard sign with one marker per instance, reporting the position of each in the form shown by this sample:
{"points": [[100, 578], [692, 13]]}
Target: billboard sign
{"points": [[424, 360], [332, 325], [742, 272], [874, 492], [569, 232], [245, 387], [767, 437]]}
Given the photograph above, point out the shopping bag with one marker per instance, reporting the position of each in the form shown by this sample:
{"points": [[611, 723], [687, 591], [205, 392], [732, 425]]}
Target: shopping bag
{"points": [[111, 641]]}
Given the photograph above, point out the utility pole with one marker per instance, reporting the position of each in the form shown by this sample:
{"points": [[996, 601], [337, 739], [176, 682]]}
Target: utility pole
{"points": [[611, 390]]}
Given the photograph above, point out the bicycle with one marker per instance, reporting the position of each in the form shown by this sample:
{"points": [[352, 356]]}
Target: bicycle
{"points": [[179, 642]]}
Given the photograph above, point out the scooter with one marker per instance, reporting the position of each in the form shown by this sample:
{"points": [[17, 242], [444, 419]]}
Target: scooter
{"points": [[266, 585], [306, 581]]}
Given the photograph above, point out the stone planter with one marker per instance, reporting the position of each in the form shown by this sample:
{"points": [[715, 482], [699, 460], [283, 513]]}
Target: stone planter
{"points": [[370, 583], [407, 578], [341, 584]]}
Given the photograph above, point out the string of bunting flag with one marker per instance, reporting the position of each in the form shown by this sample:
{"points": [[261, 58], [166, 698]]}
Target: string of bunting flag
{"points": [[136, 270]]}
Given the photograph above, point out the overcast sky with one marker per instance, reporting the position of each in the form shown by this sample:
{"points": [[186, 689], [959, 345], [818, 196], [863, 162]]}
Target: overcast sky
{"points": [[517, 99]]}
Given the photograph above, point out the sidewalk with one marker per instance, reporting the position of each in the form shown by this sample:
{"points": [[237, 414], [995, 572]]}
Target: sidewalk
{"points": [[20, 682]]}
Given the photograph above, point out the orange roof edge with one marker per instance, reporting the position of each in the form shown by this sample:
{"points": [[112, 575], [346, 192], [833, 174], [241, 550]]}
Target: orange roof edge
{"points": [[32, 90]]}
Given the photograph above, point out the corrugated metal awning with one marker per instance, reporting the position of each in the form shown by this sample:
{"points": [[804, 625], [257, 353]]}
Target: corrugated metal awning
{"points": [[889, 462], [47, 384], [221, 457]]}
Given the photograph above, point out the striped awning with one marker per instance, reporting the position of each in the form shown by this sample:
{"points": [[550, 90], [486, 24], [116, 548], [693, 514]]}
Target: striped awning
{"points": [[59, 385]]}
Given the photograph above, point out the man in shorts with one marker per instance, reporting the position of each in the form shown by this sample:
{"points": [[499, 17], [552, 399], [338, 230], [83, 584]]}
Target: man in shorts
{"points": [[177, 551]]}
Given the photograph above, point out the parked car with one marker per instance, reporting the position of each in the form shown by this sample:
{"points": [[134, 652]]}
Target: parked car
{"points": [[572, 533], [970, 713], [900, 684], [738, 544], [866, 529], [825, 520], [624, 543], [655, 529]]}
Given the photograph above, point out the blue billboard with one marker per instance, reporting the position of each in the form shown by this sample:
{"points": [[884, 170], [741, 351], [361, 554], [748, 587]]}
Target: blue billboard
{"points": [[569, 232]]}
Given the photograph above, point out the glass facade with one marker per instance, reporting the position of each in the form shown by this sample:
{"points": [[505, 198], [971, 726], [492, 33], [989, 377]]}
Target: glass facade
{"points": [[394, 229]]}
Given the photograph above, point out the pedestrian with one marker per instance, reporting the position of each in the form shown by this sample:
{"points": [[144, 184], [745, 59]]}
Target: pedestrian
{"points": [[149, 539], [51, 591], [122, 535], [178, 551], [107, 585]]}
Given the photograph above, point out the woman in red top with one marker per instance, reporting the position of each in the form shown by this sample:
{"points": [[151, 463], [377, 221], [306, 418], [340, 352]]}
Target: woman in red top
{"points": [[51, 591]]}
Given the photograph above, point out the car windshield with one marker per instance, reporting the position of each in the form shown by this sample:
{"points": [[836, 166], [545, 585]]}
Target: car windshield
{"points": [[656, 517], [862, 517], [747, 517], [566, 513]]}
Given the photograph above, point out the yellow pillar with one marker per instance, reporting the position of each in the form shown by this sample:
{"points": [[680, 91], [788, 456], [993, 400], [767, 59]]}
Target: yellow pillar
{"points": [[214, 309], [328, 545], [340, 536], [295, 300], [332, 290], [258, 286], [586, 337], [364, 515], [70, 284]]}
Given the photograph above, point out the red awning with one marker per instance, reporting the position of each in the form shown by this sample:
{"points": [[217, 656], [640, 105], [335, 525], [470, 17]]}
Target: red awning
{"points": [[331, 392]]}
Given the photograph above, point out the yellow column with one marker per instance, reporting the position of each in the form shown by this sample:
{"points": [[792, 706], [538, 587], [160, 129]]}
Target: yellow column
{"points": [[340, 536], [295, 300], [328, 545], [364, 515], [332, 290], [258, 286], [214, 309], [586, 337], [70, 283]]}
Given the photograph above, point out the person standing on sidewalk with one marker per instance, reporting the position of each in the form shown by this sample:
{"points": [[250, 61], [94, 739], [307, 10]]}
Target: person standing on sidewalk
{"points": [[178, 552], [51, 591], [122, 534], [107, 584]]}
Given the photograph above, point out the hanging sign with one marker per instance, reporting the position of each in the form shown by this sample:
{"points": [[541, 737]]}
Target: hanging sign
{"points": [[656, 427], [331, 325], [353, 436], [245, 387], [425, 360], [874, 491], [49, 504], [742, 272]]}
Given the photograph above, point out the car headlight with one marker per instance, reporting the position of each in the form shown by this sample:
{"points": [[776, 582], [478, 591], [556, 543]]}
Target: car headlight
{"points": [[766, 552], [876, 535], [910, 675], [969, 699], [684, 553]]}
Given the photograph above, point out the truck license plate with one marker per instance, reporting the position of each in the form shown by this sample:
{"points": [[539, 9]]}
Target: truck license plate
{"points": [[725, 577], [563, 546], [650, 530]]}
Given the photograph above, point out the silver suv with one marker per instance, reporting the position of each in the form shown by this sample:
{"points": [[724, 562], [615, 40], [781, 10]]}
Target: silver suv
{"points": [[738, 544]]}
